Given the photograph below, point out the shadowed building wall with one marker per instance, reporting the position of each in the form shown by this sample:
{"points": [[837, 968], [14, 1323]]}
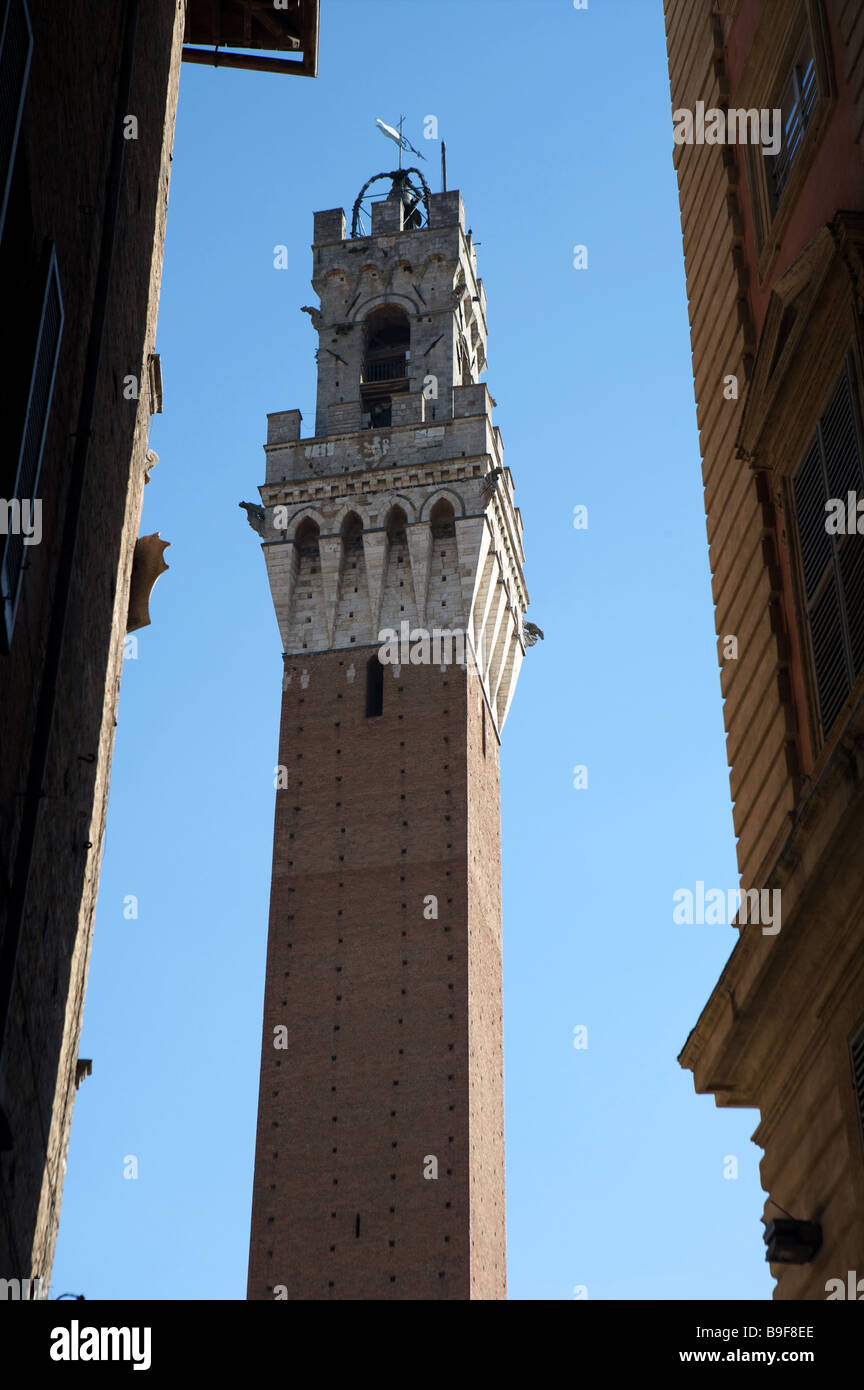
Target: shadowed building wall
{"points": [[89, 95], [774, 254]]}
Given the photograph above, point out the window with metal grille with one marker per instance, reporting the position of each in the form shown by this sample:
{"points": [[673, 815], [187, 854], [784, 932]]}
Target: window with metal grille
{"points": [[856, 1048], [832, 565], [16, 49], [796, 101], [41, 387]]}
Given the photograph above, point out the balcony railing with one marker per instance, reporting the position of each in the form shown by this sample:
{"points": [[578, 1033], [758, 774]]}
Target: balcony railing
{"points": [[385, 369]]}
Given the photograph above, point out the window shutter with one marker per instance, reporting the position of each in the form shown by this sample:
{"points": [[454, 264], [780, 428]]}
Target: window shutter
{"points": [[851, 558], [845, 474], [840, 443], [813, 539], [857, 1050], [16, 49], [829, 654], [35, 425], [832, 566], [817, 563]]}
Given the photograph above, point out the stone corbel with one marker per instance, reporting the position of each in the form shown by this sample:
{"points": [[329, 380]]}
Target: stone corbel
{"points": [[147, 564]]}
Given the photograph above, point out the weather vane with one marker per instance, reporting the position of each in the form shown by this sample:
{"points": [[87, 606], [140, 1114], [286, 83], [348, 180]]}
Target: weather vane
{"points": [[414, 195], [398, 138]]}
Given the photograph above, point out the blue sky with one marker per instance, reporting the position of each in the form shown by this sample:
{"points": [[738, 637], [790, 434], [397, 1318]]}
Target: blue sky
{"points": [[558, 131]]}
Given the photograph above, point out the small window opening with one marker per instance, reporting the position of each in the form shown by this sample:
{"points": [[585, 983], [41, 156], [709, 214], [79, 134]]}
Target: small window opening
{"points": [[374, 688]]}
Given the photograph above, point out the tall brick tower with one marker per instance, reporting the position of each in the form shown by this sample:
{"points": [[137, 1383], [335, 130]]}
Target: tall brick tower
{"points": [[379, 1170]]}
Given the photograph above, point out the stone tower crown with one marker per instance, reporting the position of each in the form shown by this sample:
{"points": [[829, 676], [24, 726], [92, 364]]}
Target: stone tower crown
{"points": [[399, 510], [402, 319]]}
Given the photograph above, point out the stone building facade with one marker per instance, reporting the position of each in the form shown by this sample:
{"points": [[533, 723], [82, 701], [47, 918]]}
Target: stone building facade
{"points": [[379, 1170], [89, 95], [773, 227]]}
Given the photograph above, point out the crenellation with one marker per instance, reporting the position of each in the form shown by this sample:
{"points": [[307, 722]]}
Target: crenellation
{"points": [[436, 291], [328, 226], [283, 426], [447, 209]]}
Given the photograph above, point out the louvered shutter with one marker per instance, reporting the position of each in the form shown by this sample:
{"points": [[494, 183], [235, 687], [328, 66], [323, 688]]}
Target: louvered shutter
{"points": [[813, 539], [857, 1051], [829, 655], [832, 566], [840, 443], [16, 49], [35, 425], [845, 474], [851, 558]]}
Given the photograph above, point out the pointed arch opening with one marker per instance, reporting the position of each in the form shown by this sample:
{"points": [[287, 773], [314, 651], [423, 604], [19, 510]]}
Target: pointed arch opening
{"points": [[308, 562], [442, 519], [396, 524], [385, 367], [306, 538], [352, 532]]}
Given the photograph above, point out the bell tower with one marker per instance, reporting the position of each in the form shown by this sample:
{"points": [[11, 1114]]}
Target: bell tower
{"points": [[394, 553]]}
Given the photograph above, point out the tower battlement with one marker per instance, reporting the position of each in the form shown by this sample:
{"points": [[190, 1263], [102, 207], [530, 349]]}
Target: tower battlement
{"points": [[403, 298]]}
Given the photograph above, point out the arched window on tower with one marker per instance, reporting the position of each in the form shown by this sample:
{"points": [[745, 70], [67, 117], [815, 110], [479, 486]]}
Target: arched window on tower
{"points": [[308, 565], [385, 369], [306, 540], [352, 532], [442, 519], [396, 523]]}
